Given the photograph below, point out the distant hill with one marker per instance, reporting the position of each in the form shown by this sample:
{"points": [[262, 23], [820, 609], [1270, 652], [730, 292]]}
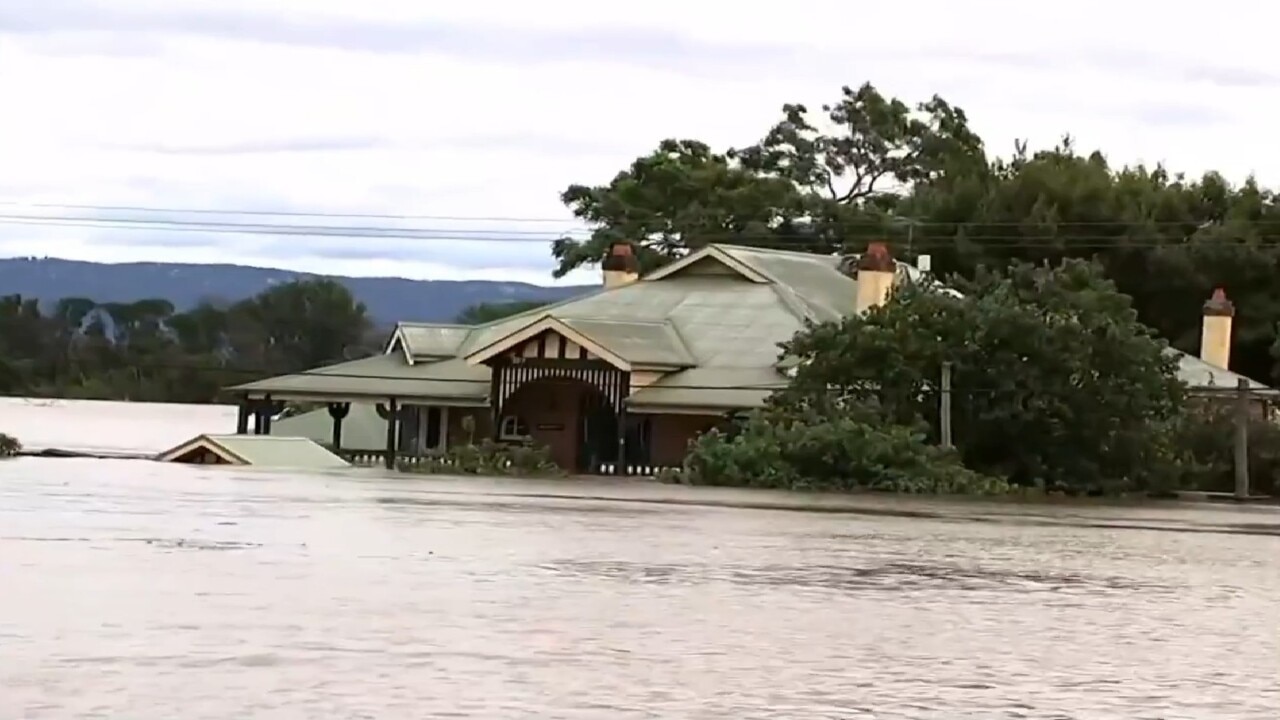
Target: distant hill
{"points": [[388, 299]]}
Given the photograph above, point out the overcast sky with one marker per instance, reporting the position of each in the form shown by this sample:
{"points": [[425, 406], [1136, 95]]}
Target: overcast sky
{"points": [[488, 108]]}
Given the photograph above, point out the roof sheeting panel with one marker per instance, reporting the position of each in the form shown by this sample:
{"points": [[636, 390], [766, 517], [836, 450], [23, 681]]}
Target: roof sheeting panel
{"points": [[1200, 375], [381, 377], [259, 450], [713, 388], [639, 343], [432, 341]]}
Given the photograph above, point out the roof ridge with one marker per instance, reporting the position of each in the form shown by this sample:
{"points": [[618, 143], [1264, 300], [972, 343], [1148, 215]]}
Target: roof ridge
{"points": [[616, 321], [416, 324], [674, 331], [776, 251], [717, 251], [793, 302]]}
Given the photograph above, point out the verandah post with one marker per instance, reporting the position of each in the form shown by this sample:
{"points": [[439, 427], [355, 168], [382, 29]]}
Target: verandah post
{"points": [[393, 421]]}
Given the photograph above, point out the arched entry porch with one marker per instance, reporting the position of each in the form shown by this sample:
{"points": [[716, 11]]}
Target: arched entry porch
{"points": [[574, 407], [572, 418]]}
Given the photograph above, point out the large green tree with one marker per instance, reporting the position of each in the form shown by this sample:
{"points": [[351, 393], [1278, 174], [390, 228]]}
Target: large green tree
{"points": [[1165, 240], [681, 196], [814, 182], [872, 166]]}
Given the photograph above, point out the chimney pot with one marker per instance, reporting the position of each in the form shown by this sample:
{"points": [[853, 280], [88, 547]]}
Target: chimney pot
{"points": [[1215, 331], [875, 278], [876, 258], [1218, 305], [620, 266]]}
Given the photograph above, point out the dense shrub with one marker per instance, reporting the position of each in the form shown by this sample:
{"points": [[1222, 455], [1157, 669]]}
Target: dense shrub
{"points": [[1055, 383], [1207, 438], [489, 457], [841, 451], [9, 446]]}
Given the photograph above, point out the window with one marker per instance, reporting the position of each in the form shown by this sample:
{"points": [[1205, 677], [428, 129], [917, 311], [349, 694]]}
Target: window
{"points": [[512, 427]]}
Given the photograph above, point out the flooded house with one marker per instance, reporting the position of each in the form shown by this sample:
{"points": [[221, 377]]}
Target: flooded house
{"points": [[620, 379]]}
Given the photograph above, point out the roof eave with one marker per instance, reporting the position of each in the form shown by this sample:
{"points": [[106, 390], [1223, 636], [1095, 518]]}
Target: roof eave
{"points": [[719, 254], [673, 409], [477, 400]]}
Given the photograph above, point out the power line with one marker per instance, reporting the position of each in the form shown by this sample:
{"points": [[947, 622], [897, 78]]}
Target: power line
{"points": [[1045, 241], [368, 233], [280, 213], [871, 224]]}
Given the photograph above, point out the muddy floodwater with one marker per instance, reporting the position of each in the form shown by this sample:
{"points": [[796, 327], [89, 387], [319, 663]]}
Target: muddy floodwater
{"points": [[133, 589], [138, 591]]}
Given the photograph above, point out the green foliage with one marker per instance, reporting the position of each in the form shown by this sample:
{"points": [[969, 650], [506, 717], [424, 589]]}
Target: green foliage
{"points": [[812, 183], [489, 457], [481, 313], [1057, 384], [9, 446], [1165, 240], [681, 196], [872, 166], [148, 351], [842, 448], [1207, 435]]}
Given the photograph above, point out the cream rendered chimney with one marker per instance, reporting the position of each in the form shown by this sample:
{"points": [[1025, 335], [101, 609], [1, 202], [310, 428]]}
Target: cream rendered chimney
{"points": [[876, 273], [620, 266], [1215, 333]]}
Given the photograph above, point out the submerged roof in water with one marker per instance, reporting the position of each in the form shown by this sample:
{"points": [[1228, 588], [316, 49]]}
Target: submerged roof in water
{"points": [[258, 450]]}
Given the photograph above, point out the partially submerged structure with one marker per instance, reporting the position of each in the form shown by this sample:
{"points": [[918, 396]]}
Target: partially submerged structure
{"points": [[257, 450], [618, 380]]}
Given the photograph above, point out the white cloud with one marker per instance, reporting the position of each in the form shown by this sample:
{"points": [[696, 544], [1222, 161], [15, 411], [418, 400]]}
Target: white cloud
{"points": [[400, 107]]}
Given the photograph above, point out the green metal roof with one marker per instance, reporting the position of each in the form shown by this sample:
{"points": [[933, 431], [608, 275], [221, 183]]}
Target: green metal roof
{"points": [[718, 314], [639, 343], [721, 388], [379, 377], [423, 341], [262, 451]]}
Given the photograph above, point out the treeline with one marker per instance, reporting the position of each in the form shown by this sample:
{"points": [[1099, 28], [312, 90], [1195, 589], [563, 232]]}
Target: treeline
{"points": [[871, 167], [150, 351]]}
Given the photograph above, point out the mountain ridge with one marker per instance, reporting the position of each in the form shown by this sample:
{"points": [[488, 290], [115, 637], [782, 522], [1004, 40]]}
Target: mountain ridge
{"points": [[388, 299]]}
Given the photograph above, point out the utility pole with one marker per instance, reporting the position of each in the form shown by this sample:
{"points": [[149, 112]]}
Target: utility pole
{"points": [[1242, 440], [944, 411]]}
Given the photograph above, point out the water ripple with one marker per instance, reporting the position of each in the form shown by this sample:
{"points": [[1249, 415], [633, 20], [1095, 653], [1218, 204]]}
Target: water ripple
{"points": [[894, 576], [163, 591]]}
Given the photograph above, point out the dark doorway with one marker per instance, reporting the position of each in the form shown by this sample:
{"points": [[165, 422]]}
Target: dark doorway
{"points": [[639, 442], [598, 432]]}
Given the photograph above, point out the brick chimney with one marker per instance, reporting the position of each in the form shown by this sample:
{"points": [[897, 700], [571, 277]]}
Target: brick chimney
{"points": [[620, 266], [1215, 332], [876, 273]]}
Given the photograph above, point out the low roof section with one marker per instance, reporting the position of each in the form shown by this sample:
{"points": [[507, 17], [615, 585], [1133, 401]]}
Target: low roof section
{"points": [[698, 390], [447, 382], [259, 450]]}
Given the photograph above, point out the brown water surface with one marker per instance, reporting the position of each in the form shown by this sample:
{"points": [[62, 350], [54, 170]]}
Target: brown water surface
{"points": [[138, 590]]}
